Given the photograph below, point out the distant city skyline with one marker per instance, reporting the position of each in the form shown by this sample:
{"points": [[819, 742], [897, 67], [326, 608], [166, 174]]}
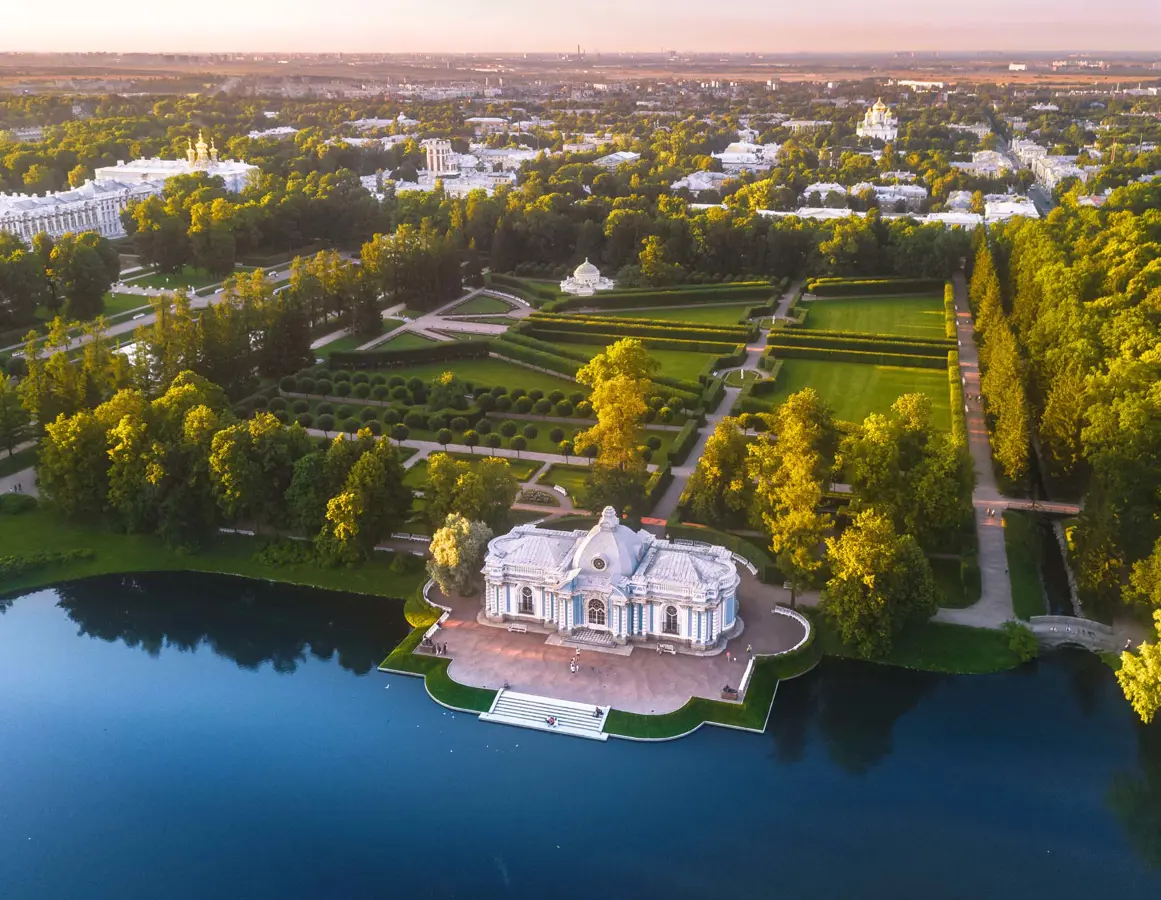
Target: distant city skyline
{"points": [[609, 26]]}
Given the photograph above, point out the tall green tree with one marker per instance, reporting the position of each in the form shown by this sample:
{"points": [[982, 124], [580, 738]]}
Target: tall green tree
{"points": [[14, 418]]}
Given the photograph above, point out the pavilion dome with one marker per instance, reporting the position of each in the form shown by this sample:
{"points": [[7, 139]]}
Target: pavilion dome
{"points": [[610, 549], [586, 270], [880, 106]]}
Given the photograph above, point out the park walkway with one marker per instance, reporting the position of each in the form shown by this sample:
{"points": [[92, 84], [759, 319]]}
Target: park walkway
{"points": [[995, 604]]}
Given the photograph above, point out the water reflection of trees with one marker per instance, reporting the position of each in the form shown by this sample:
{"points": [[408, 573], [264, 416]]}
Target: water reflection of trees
{"points": [[1136, 798], [854, 706], [248, 622]]}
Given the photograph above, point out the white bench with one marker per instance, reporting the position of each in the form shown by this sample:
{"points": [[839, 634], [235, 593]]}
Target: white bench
{"points": [[667, 648], [518, 628]]}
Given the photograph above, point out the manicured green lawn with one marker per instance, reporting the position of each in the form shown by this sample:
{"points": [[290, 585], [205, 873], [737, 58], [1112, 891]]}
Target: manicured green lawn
{"points": [[405, 340], [571, 478], [491, 320], [342, 345], [480, 305], [911, 316], [44, 529], [416, 476], [855, 390], [950, 584], [1022, 541], [709, 314], [119, 303], [492, 372], [680, 364], [935, 647], [189, 276]]}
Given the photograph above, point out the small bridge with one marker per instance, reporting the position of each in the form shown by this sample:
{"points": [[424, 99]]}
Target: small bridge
{"points": [[1060, 631]]}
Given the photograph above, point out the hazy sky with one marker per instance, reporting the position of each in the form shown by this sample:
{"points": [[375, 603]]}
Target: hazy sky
{"points": [[597, 25]]}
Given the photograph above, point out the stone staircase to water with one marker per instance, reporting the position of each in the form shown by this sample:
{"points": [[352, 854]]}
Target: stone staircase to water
{"points": [[531, 711]]}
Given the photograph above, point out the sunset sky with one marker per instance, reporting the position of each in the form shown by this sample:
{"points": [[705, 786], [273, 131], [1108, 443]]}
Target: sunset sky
{"points": [[597, 25]]}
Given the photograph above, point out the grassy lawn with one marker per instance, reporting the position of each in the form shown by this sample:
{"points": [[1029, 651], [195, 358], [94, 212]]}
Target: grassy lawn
{"points": [[480, 305], [571, 478], [855, 390], [911, 316], [1022, 541], [950, 584], [416, 476], [119, 303], [492, 320], [42, 529], [405, 340], [15, 463], [492, 372], [709, 314], [738, 378], [343, 344], [680, 364], [189, 276], [935, 647]]}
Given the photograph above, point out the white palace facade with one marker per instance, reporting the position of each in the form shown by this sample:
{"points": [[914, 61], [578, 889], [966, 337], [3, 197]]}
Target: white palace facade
{"points": [[628, 585], [97, 204], [878, 123]]}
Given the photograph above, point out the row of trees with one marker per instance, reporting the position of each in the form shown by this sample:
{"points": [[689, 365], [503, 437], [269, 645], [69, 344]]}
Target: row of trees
{"points": [[180, 465], [910, 489], [68, 276]]}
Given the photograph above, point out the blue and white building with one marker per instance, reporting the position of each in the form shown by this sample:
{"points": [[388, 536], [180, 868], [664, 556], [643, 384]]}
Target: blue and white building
{"points": [[629, 584]]}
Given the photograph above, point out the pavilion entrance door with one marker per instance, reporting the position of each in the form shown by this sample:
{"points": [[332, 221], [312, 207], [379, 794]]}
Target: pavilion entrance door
{"points": [[596, 613]]}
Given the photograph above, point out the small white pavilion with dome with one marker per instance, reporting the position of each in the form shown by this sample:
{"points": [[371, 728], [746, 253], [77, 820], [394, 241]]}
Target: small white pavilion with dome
{"points": [[586, 280], [614, 585]]}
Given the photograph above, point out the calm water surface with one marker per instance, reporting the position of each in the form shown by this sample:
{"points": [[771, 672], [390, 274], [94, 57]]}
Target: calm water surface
{"points": [[196, 736]]}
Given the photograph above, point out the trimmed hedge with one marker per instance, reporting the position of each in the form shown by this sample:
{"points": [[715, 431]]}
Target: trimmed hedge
{"points": [[863, 344], [713, 293], [949, 311], [388, 359], [683, 443], [647, 327], [945, 343], [656, 485], [958, 413], [865, 287], [912, 361], [611, 337]]}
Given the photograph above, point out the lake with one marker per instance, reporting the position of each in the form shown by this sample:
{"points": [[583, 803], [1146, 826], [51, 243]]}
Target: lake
{"points": [[195, 736]]}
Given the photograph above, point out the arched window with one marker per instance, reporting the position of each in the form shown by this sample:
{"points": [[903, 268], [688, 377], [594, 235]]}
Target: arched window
{"points": [[526, 601], [596, 612], [671, 626]]}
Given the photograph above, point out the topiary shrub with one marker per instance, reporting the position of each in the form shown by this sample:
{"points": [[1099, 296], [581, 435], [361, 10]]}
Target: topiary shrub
{"points": [[282, 416], [261, 402], [396, 381], [556, 396], [564, 408], [322, 386], [656, 402], [287, 383], [362, 391], [654, 443], [459, 424], [508, 428], [342, 389], [277, 403], [341, 375], [584, 409], [414, 419], [535, 394], [524, 405], [380, 392], [556, 435], [503, 404], [360, 378], [486, 402], [516, 393], [305, 385], [435, 423], [675, 403], [650, 415], [392, 416], [378, 378], [326, 408], [367, 415], [374, 427], [498, 391], [665, 414], [300, 406], [306, 420], [351, 425], [326, 422], [530, 432], [484, 426], [542, 406], [400, 393], [576, 397], [345, 411]]}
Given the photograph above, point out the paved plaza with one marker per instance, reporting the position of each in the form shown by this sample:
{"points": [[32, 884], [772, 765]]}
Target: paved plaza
{"points": [[643, 681]]}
